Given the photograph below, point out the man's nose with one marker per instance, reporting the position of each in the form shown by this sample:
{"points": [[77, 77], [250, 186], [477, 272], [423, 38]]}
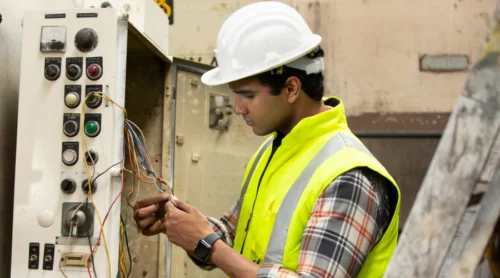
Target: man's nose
{"points": [[238, 108]]}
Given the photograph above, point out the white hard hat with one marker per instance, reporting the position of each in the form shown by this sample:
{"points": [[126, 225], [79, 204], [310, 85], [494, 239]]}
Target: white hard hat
{"points": [[260, 37]]}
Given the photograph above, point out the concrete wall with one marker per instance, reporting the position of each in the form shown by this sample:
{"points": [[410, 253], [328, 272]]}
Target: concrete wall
{"points": [[372, 47]]}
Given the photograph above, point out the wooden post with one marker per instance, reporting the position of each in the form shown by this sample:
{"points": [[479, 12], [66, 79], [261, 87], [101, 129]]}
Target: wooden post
{"points": [[462, 157]]}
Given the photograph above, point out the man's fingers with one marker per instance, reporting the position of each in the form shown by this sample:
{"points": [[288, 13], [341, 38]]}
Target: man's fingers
{"points": [[154, 227], [143, 223], [170, 208], [160, 198], [182, 205], [143, 212]]}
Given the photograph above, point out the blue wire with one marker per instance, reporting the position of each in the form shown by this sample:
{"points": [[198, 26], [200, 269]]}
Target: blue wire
{"points": [[139, 144]]}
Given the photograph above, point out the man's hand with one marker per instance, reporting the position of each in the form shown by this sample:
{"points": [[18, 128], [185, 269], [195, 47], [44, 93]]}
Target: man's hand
{"points": [[185, 225], [149, 214]]}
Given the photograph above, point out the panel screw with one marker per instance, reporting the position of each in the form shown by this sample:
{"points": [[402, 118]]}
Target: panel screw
{"points": [[195, 157], [179, 139]]}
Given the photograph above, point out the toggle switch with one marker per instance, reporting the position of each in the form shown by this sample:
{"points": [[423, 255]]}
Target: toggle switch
{"points": [[34, 253], [48, 256]]}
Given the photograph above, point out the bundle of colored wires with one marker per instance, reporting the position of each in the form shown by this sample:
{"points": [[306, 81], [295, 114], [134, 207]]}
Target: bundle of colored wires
{"points": [[133, 146]]}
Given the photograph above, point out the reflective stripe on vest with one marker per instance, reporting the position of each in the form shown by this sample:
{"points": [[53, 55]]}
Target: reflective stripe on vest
{"points": [[276, 248], [250, 173]]}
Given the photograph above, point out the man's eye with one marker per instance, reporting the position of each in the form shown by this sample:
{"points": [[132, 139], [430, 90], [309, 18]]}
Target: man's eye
{"points": [[249, 96]]}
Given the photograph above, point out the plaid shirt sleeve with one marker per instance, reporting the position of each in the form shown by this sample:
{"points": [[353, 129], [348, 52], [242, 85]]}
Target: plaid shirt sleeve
{"points": [[347, 221], [226, 228]]}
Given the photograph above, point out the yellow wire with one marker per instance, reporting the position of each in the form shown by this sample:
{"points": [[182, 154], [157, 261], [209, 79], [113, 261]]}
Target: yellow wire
{"points": [[82, 118], [123, 262]]}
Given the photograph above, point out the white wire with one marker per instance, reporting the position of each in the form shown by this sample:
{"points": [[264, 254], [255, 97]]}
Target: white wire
{"points": [[66, 247]]}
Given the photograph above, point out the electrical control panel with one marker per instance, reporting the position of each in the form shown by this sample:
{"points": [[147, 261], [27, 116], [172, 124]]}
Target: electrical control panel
{"points": [[69, 143]]}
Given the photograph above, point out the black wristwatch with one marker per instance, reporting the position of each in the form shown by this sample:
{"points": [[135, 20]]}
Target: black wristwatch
{"points": [[204, 247]]}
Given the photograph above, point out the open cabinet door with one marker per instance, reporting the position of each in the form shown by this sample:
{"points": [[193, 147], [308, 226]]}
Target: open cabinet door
{"points": [[211, 147]]}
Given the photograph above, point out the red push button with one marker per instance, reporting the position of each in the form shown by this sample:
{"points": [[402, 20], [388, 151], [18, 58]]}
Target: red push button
{"points": [[94, 71]]}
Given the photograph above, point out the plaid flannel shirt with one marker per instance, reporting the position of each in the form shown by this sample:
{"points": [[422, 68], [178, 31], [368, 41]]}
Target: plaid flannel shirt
{"points": [[348, 219]]}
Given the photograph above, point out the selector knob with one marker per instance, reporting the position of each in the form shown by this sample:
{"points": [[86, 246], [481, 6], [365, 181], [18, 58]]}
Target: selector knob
{"points": [[72, 99], [52, 72], [70, 128], [74, 72], [86, 40], [68, 186], [91, 157], [85, 186], [69, 157], [93, 101]]}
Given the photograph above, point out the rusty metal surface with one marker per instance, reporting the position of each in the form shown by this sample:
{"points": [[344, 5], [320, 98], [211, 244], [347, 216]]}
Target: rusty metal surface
{"points": [[407, 160], [404, 143], [144, 104]]}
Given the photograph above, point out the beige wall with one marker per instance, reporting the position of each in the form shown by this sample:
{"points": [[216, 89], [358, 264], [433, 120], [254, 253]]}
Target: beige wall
{"points": [[372, 47]]}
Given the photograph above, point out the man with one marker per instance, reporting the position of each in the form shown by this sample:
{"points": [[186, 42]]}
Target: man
{"points": [[314, 201]]}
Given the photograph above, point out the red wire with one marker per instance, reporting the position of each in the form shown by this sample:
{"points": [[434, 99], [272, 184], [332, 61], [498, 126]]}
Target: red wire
{"points": [[104, 221]]}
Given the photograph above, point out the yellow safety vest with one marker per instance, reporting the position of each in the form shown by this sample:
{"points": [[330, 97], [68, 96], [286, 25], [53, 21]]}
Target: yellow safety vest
{"points": [[316, 151]]}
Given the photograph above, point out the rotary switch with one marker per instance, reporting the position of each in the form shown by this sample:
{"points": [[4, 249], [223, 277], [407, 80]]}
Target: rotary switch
{"points": [[70, 128], [74, 72], [91, 157], [86, 40], [52, 72], [68, 185], [85, 186]]}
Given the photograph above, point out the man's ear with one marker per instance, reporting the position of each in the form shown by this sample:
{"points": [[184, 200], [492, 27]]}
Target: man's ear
{"points": [[292, 89]]}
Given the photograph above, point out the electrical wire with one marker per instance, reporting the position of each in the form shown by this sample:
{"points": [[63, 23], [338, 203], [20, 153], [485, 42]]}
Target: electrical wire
{"points": [[90, 244], [90, 187], [128, 248], [137, 151]]}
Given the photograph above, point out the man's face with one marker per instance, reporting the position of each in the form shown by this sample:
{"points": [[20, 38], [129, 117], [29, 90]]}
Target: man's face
{"points": [[261, 110]]}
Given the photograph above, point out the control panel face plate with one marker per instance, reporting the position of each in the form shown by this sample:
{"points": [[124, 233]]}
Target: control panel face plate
{"points": [[52, 139]]}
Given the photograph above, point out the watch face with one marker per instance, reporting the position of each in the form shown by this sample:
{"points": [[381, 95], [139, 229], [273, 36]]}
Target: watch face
{"points": [[202, 250]]}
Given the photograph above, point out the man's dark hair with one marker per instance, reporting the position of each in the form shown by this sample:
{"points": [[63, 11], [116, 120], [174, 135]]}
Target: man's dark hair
{"points": [[312, 84]]}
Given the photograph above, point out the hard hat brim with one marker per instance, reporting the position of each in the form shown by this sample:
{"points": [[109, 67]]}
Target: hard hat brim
{"points": [[214, 77]]}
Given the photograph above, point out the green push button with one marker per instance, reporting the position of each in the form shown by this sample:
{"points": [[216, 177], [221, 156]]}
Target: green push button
{"points": [[91, 128]]}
